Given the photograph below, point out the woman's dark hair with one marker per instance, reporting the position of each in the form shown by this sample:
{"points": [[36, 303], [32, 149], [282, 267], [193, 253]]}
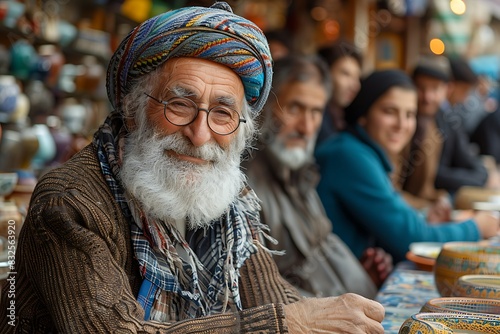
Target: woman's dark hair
{"points": [[374, 86]]}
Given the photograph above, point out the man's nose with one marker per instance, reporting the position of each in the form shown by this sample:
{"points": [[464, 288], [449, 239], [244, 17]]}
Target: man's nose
{"points": [[198, 131], [307, 123]]}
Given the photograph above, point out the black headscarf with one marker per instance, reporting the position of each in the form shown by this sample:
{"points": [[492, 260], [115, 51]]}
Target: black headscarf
{"points": [[372, 87]]}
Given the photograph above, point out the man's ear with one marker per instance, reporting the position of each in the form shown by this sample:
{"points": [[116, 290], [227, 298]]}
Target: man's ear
{"points": [[362, 121]]}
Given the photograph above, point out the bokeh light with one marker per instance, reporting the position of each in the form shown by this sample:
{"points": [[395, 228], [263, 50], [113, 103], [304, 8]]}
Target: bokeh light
{"points": [[437, 46], [458, 7], [319, 13], [331, 29]]}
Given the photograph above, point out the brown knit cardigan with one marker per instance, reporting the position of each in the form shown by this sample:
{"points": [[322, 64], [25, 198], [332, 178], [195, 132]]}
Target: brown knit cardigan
{"points": [[76, 272]]}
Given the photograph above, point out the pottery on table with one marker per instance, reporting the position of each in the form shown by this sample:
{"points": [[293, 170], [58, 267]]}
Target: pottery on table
{"points": [[9, 91], [46, 146], [462, 305], [451, 323], [11, 220], [7, 183], [23, 58], [478, 286], [457, 259], [15, 10]]}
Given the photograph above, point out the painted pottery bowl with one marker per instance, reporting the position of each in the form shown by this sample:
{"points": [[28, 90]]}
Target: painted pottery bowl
{"points": [[462, 305], [457, 259], [478, 286], [451, 323]]}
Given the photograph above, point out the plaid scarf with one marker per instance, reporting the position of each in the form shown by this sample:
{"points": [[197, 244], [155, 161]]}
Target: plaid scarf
{"points": [[204, 280]]}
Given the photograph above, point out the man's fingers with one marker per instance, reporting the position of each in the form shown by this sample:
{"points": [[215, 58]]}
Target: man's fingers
{"points": [[375, 311]]}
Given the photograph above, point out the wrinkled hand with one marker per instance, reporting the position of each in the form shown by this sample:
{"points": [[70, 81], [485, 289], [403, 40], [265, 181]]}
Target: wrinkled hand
{"points": [[348, 314], [440, 211], [377, 263]]}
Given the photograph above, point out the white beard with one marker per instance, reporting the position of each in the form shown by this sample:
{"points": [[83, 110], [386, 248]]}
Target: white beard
{"points": [[294, 158], [171, 189]]}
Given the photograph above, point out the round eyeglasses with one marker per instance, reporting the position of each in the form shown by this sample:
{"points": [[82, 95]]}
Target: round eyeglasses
{"points": [[181, 111]]}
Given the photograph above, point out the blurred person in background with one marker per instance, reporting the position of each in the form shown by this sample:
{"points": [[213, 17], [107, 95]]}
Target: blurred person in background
{"points": [[345, 63], [416, 166], [487, 135], [283, 174], [355, 185], [439, 161], [280, 43], [458, 165]]}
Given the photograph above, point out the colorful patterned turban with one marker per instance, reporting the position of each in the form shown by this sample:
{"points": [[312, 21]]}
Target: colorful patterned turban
{"points": [[213, 33]]}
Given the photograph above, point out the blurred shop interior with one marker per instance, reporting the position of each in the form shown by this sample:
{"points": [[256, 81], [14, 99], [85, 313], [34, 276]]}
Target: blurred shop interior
{"points": [[54, 54]]}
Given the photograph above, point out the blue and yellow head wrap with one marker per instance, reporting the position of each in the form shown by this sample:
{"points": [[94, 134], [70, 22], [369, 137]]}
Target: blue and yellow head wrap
{"points": [[213, 33]]}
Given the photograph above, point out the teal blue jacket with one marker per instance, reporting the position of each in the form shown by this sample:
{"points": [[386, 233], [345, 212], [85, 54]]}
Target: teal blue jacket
{"points": [[363, 205]]}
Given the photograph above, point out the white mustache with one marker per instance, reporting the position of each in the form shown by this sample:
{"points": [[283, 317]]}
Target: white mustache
{"points": [[176, 142]]}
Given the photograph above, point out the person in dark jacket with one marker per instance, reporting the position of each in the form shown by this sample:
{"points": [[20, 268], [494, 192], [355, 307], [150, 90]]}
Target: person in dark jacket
{"points": [[458, 165], [487, 135]]}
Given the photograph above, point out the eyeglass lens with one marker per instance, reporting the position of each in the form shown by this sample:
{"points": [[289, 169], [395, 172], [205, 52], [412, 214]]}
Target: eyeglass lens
{"points": [[182, 111]]}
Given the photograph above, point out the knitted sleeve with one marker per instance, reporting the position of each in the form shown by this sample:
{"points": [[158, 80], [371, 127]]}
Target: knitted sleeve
{"points": [[78, 275], [261, 282]]}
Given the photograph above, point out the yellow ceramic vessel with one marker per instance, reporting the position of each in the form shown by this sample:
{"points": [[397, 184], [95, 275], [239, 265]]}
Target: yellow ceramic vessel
{"points": [[462, 305], [478, 286], [457, 259]]}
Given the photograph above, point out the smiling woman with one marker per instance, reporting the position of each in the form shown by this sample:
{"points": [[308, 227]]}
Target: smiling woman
{"points": [[355, 173]]}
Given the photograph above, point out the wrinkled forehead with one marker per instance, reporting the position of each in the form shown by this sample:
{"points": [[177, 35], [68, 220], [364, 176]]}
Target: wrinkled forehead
{"points": [[200, 80]]}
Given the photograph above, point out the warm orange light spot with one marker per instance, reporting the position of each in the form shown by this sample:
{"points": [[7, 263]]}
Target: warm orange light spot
{"points": [[331, 29], [437, 46]]}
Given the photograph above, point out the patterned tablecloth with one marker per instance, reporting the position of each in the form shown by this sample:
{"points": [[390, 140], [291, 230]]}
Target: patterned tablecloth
{"points": [[405, 291]]}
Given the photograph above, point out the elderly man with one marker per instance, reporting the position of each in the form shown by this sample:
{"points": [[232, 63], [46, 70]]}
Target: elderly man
{"points": [[151, 228], [284, 177]]}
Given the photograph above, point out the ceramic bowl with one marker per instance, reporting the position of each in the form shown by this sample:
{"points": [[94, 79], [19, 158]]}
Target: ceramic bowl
{"points": [[457, 259], [450, 323], [424, 254], [462, 305], [7, 183], [478, 286], [421, 262]]}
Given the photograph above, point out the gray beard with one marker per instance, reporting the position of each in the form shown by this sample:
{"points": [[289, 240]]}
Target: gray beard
{"points": [[293, 158], [171, 189]]}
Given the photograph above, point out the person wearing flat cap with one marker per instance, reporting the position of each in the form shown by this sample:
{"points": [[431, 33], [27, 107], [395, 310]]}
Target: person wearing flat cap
{"points": [[439, 165], [151, 228], [355, 186]]}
